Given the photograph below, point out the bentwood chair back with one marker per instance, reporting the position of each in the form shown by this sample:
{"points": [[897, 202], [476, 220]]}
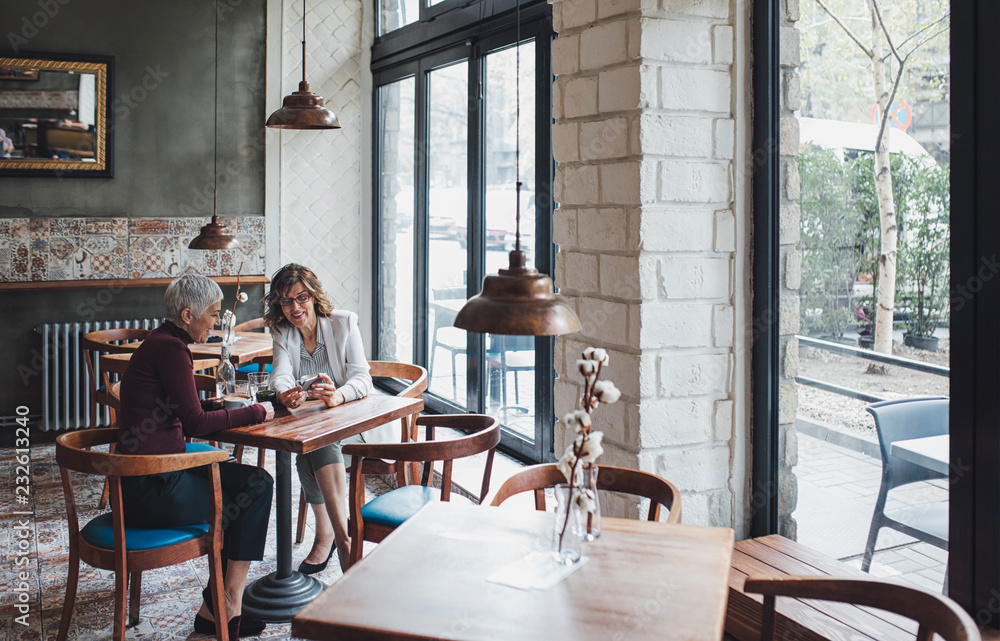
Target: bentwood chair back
{"points": [[375, 520], [934, 614], [417, 378], [106, 341], [116, 364], [105, 542], [537, 478], [251, 325]]}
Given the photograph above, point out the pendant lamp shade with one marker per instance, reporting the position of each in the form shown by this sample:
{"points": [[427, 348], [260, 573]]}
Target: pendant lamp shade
{"points": [[518, 301], [303, 109], [215, 235]]}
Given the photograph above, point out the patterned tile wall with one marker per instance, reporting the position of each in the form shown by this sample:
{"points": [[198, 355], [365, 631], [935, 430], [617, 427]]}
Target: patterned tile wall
{"points": [[48, 249]]}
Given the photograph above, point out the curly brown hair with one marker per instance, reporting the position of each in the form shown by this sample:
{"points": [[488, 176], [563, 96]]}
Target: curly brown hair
{"points": [[283, 280]]}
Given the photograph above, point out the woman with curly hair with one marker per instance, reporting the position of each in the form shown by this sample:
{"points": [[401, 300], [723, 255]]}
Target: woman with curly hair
{"points": [[311, 338]]}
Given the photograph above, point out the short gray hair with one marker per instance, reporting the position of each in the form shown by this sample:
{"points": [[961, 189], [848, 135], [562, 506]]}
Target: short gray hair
{"points": [[192, 291]]}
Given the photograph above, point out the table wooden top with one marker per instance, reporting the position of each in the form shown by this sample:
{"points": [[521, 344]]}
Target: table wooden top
{"points": [[314, 425], [427, 580], [248, 346], [931, 452]]}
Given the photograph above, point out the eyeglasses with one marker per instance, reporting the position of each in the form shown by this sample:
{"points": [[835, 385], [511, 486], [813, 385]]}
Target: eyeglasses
{"points": [[301, 299]]}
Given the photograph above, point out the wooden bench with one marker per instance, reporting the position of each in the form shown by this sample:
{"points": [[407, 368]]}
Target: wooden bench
{"points": [[802, 620]]}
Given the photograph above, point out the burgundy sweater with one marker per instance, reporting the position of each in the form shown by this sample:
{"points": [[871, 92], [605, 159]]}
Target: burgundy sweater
{"points": [[159, 401]]}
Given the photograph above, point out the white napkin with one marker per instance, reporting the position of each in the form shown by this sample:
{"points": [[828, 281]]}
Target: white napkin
{"points": [[535, 571]]}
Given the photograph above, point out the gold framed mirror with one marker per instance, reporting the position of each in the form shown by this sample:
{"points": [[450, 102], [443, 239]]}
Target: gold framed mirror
{"points": [[55, 115]]}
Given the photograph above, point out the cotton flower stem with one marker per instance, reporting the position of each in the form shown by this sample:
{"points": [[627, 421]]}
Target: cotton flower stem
{"points": [[577, 450], [237, 299]]}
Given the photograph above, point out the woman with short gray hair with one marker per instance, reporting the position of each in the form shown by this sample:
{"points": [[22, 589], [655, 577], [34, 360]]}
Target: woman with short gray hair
{"points": [[191, 290], [159, 407]]}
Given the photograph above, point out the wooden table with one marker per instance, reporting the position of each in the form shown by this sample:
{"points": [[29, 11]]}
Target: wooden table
{"points": [[427, 580], [248, 346], [930, 451], [281, 594]]}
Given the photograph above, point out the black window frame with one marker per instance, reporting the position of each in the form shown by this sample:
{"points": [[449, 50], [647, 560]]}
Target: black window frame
{"points": [[463, 31], [974, 557]]}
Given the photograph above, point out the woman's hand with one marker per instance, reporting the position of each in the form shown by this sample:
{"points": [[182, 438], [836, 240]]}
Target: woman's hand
{"points": [[328, 392], [268, 409], [292, 397]]}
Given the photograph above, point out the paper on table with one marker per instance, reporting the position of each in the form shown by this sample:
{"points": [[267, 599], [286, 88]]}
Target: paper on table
{"points": [[535, 571]]}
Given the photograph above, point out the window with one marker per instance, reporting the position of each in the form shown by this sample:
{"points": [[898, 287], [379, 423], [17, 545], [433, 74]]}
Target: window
{"points": [[446, 159], [970, 487]]}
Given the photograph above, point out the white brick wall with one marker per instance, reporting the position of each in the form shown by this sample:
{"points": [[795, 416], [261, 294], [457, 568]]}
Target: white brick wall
{"points": [[648, 227]]}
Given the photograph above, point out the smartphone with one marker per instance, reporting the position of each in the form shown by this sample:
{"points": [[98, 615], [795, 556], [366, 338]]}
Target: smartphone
{"points": [[310, 382]]}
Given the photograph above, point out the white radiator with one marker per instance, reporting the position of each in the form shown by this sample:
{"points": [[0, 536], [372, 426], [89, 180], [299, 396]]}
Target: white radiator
{"points": [[65, 382]]}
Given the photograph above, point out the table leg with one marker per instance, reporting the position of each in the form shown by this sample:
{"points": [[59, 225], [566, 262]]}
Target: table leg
{"points": [[281, 594]]}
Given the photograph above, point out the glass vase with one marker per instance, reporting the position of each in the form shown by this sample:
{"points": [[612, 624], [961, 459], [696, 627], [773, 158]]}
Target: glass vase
{"points": [[592, 518], [567, 527]]}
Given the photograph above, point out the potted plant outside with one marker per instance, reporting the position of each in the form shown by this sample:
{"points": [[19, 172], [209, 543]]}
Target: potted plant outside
{"points": [[924, 256]]}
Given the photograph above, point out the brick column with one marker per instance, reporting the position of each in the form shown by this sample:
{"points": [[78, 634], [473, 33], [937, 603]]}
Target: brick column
{"points": [[647, 225], [791, 266]]}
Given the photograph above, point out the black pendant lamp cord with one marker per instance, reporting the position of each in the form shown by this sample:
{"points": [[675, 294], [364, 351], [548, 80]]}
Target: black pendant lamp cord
{"points": [[517, 129], [215, 121], [303, 40]]}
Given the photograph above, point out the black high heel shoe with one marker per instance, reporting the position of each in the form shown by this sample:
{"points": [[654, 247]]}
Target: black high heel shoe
{"points": [[313, 568], [239, 626]]}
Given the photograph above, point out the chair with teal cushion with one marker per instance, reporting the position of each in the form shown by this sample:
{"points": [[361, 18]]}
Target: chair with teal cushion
{"points": [[376, 520], [105, 542], [254, 366]]}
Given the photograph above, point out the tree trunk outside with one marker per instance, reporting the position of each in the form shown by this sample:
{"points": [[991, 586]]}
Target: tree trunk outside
{"points": [[886, 295]]}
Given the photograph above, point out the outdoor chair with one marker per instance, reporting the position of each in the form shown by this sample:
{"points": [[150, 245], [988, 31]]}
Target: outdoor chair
{"points": [[537, 478], [375, 520], [106, 543], [933, 613], [899, 420], [511, 354], [417, 376], [444, 335]]}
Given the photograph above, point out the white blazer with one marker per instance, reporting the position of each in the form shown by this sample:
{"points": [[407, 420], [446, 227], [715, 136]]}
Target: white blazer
{"points": [[346, 352]]}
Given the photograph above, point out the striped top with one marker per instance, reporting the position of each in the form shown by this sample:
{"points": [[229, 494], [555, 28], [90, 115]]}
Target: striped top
{"points": [[319, 362]]}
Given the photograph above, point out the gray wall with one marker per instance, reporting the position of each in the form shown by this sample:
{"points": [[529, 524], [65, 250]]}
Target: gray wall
{"points": [[163, 119]]}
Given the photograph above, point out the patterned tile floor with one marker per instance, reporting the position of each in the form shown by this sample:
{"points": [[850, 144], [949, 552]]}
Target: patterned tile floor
{"points": [[837, 489], [170, 596]]}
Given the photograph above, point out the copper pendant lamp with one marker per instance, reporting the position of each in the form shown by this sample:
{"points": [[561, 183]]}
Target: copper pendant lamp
{"points": [[518, 300], [303, 109], [215, 235]]}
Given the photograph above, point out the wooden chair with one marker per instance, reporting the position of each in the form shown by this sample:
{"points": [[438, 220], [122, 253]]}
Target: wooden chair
{"points": [[932, 612], [115, 364], [251, 325], [106, 341], [107, 544], [659, 491], [417, 376], [375, 520]]}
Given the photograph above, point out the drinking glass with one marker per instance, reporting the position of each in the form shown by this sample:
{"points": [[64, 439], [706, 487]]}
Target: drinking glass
{"points": [[258, 381]]}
